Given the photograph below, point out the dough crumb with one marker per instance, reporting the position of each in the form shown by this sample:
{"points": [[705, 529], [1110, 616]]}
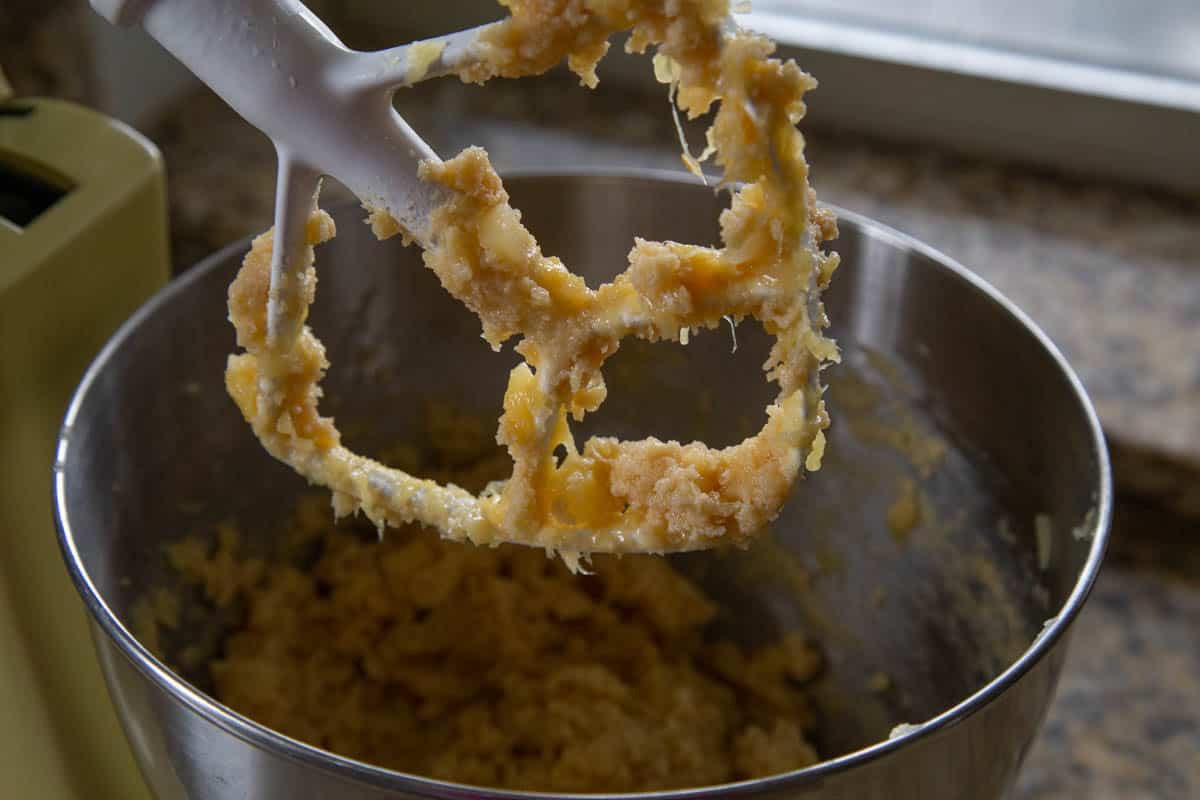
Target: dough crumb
{"points": [[497, 666]]}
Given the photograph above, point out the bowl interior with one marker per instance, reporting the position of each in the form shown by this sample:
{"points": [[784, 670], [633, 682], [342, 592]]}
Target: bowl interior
{"points": [[931, 546]]}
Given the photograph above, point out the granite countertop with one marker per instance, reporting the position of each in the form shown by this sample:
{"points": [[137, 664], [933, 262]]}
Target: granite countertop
{"points": [[1110, 272]]}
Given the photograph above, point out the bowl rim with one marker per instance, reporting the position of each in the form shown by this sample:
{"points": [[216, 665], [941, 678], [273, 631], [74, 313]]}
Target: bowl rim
{"points": [[265, 738]]}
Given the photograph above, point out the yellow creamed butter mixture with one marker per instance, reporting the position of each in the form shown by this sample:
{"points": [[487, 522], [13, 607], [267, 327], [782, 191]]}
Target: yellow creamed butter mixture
{"points": [[609, 495]]}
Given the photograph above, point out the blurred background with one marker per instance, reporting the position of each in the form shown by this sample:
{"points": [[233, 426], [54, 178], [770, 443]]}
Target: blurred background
{"points": [[1049, 145]]}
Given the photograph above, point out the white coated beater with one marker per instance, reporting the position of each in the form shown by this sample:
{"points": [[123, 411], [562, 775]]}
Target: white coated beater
{"points": [[327, 108]]}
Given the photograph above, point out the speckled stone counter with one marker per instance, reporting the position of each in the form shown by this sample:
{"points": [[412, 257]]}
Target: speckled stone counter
{"points": [[1111, 273], [1125, 723]]}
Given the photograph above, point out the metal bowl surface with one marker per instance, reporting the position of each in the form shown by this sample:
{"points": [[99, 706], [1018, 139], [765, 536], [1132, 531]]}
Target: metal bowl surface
{"points": [[968, 614]]}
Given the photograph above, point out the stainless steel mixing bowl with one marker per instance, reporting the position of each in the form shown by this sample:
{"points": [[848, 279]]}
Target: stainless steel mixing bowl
{"points": [[952, 611]]}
